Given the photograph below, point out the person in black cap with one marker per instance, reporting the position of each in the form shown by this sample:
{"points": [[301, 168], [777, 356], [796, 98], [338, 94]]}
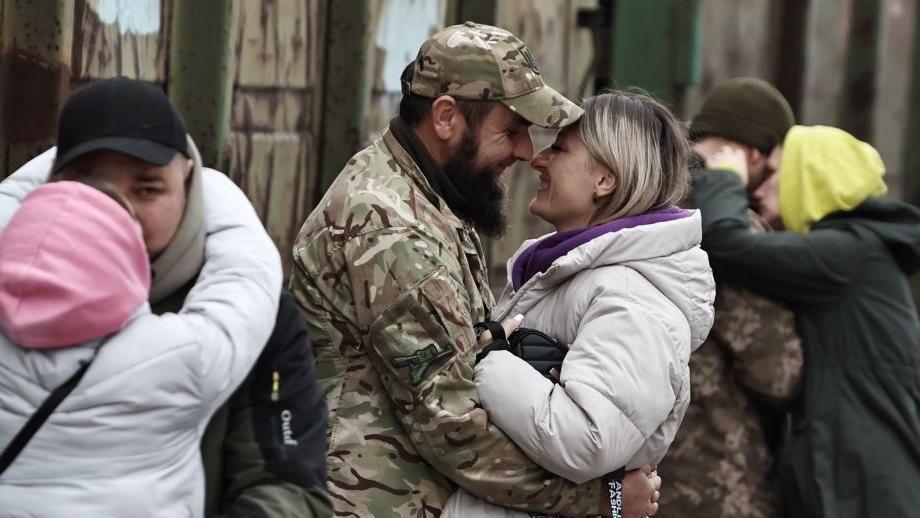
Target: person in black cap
{"points": [[264, 450]]}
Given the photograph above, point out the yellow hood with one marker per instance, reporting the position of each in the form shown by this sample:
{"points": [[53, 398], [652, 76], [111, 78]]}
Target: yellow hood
{"points": [[825, 170]]}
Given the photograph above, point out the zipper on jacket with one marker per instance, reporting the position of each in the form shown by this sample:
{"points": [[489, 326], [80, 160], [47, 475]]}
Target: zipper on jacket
{"points": [[520, 293]]}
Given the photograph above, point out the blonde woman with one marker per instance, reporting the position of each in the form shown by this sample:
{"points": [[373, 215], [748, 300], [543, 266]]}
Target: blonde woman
{"points": [[622, 282]]}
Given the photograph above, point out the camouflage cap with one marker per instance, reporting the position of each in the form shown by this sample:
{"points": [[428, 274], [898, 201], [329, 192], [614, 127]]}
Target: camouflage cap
{"points": [[484, 63]]}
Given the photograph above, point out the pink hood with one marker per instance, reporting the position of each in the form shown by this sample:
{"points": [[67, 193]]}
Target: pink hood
{"points": [[73, 267]]}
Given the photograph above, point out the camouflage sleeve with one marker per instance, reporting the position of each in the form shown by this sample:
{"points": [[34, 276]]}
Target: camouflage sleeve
{"points": [[419, 335], [761, 338]]}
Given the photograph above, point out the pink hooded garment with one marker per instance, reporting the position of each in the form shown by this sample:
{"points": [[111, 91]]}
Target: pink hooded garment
{"points": [[73, 267]]}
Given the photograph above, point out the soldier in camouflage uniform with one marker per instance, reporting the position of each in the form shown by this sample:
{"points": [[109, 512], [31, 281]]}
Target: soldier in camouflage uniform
{"points": [[750, 368], [392, 276]]}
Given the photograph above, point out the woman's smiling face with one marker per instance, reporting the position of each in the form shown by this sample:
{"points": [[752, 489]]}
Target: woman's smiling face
{"points": [[569, 181]]}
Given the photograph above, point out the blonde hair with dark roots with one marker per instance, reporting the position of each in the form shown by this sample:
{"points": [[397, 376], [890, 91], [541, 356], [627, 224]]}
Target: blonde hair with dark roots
{"points": [[645, 147]]}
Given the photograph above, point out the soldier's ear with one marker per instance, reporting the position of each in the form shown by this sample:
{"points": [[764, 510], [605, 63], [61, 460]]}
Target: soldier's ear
{"points": [[446, 118]]}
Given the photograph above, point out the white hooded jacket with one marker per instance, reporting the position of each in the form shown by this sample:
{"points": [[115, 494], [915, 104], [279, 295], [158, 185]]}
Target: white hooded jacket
{"points": [[631, 305], [125, 441]]}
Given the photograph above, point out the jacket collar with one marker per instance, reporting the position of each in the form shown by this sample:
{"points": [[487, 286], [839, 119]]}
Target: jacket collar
{"points": [[414, 172], [625, 246]]}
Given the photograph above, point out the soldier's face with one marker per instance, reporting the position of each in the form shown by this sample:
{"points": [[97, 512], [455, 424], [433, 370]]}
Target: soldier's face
{"points": [[477, 163], [504, 138], [157, 193], [766, 201]]}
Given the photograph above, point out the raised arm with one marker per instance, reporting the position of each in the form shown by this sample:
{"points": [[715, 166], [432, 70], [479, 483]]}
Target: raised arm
{"points": [[796, 268], [18, 185], [233, 305]]}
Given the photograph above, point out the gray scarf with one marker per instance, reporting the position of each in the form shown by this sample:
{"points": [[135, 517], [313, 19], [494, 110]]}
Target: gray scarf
{"points": [[176, 269]]}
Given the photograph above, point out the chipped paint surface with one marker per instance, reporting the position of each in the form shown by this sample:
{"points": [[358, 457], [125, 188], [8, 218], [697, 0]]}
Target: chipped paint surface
{"points": [[130, 16]]}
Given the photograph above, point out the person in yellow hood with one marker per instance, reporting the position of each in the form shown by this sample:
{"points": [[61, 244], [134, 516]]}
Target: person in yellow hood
{"points": [[842, 264], [824, 170]]}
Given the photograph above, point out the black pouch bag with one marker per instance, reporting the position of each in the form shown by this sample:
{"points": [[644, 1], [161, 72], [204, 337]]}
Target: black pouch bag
{"points": [[543, 352]]}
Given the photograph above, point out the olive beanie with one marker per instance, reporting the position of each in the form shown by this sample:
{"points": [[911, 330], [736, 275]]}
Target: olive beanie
{"points": [[747, 110]]}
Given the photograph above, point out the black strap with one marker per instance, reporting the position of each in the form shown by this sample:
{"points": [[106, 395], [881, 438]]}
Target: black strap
{"points": [[499, 341], [614, 483], [498, 332], [40, 416]]}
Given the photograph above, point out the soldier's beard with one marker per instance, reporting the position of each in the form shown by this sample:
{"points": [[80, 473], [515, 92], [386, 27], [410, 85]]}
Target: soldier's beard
{"points": [[482, 189]]}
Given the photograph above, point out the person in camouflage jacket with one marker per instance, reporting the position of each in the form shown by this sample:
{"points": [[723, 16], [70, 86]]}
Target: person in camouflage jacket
{"points": [[391, 274], [749, 370]]}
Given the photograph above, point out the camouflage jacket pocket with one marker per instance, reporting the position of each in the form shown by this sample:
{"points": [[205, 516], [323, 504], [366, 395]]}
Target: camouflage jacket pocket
{"points": [[418, 335]]}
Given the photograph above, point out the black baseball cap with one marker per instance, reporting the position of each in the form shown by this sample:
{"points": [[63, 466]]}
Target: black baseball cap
{"points": [[120, 114]]}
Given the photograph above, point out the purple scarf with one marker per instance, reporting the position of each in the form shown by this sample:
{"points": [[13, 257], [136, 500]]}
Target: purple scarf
{"points": [[539, 256]]}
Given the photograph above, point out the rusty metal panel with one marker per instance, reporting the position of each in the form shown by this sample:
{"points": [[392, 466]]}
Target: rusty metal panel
{"points": [[35, 57], [121, 39]]}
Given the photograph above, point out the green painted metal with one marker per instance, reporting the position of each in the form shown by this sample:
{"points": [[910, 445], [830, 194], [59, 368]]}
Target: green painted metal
{"points": [[200, 82], [346, 85], [858, 96], [656, 46], [686, 40], [35, 74]]}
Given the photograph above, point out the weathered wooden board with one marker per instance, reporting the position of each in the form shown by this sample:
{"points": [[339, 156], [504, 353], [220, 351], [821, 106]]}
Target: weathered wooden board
{"points": [[264, 165], [736, 41], [400, 27], [113, 38], [278, 43], [825, 53], [278, 53], [259, 109], [893, 85]]}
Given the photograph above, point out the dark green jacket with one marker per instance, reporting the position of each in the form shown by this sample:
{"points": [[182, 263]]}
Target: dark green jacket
{"points": [[264, 450], [853, 448]]}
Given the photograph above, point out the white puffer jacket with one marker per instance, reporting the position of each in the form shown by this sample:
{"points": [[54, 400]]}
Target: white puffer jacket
{"points": [[126, 441], [631, 305]]}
